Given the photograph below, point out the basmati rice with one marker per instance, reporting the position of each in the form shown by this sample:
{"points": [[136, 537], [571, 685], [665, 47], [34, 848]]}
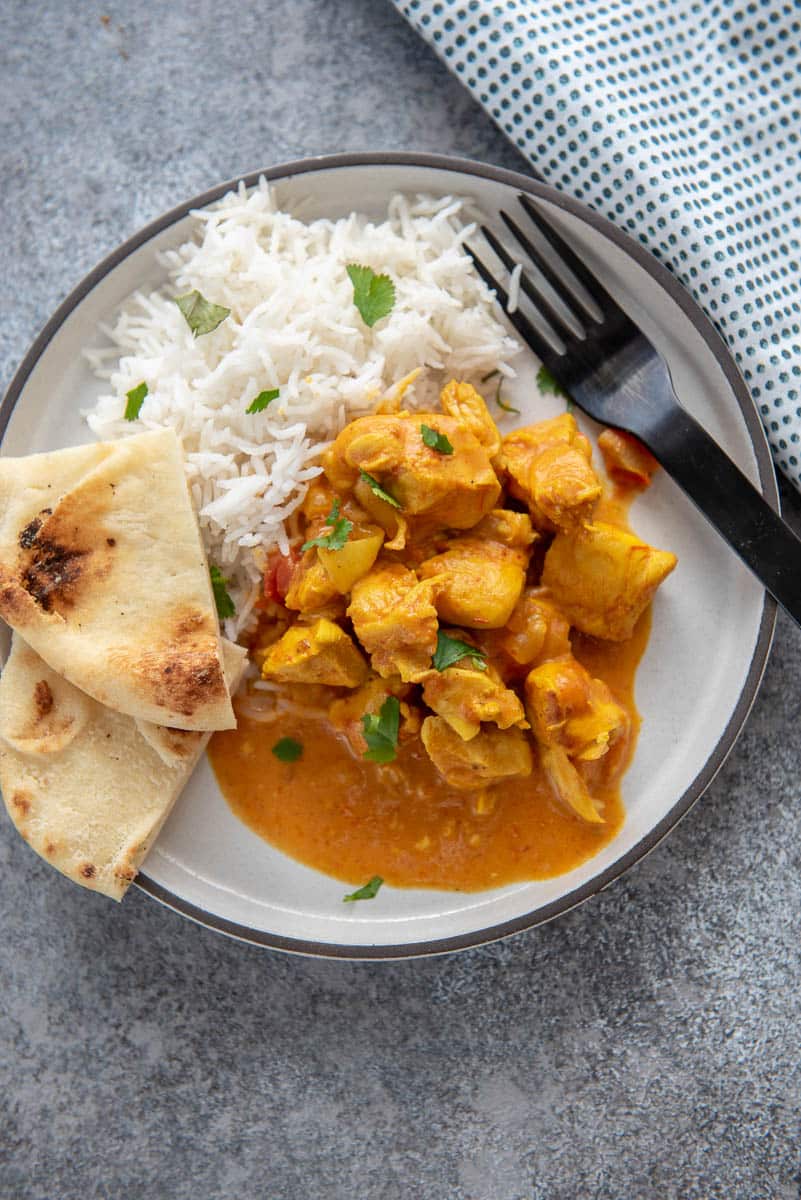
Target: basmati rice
{"points": [[293, 326], [514, 288]]}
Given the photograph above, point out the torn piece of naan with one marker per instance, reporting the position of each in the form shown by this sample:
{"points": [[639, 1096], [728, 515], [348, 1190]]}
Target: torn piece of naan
{"points": [[89, 788], [103, 572]]}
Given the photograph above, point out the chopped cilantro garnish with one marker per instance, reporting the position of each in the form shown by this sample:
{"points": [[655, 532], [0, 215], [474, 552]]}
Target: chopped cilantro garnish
{"points": [[546, 383], [336, 539], [381, 732], [373, 295], [262, 400], [135, 398], [225, 605], [436, 441], [450, 650], [201, 315], [367, 892], [498, 400], [502, 403], [288, 750], [376, 487]]}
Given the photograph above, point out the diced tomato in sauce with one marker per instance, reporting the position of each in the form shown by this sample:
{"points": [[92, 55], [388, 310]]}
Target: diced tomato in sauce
{"points": [[278, 574]]}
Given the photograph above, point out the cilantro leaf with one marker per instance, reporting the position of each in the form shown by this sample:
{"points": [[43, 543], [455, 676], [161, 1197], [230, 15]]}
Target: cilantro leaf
{"points": [[546, 383], [373, 295], [135, 398], [367, 892], [381, 732], [201, 315], [288, 750], [262, 400], [340, 529], [450, 650], [436, 441], [376, 487], [219, 585]]}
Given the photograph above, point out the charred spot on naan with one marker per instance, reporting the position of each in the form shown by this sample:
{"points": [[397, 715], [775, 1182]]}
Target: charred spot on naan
{"points": [[183, 670], [46, 713], [21, 801], [16, 606], [43, 698], [191, 623], [53, 574], [63, 553], [29, 534]]}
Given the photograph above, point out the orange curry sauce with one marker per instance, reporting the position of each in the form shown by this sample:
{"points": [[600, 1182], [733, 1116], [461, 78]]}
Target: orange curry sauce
{"points": [[354, 819]]}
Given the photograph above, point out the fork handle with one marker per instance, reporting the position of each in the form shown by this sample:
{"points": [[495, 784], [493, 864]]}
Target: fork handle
{"points": [[765, 543]]}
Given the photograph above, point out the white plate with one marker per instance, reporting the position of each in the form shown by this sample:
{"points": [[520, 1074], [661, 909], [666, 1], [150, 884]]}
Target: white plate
{"points": [[712, 623]]}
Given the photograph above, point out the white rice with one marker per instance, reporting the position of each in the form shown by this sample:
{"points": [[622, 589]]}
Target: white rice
{"points": [[514, 288], [293, 326]]}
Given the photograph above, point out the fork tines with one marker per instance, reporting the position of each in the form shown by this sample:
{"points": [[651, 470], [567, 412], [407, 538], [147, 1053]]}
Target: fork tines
{"points": [[568, 300], [556, 316], [539, 344], [564, 255]]}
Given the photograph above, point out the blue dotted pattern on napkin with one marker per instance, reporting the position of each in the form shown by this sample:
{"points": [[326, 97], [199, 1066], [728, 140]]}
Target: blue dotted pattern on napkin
{"points": [[681, 122]]}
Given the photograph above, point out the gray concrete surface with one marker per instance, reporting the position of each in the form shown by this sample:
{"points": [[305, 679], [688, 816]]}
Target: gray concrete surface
{"points": [[643, 1046]]}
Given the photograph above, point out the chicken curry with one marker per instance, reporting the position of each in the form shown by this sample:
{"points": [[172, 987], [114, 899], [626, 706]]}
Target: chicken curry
{"points": [[447, 656]]}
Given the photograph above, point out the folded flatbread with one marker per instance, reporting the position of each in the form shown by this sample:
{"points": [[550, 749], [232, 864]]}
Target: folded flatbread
{"points": [[89, 788], [103, 572]]}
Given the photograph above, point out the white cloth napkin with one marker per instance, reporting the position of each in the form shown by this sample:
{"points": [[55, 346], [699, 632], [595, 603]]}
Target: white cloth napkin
{"points": [[680, 120]]}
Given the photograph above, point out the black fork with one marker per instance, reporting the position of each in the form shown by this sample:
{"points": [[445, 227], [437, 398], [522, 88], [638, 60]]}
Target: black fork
{"points": [[595, 351]]}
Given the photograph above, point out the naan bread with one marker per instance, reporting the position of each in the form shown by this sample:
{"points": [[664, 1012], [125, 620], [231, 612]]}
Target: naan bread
{"points": [[89, 788], [103, 573]]}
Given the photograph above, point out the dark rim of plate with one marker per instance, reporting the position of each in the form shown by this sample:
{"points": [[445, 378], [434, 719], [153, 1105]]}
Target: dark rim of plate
{"points": [[714, 342]]}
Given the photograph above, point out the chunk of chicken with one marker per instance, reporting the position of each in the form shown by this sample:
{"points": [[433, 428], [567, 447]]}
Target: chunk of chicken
{"points": [[316, 653], [567, 707], [512, 529], [480, 581], [465, 696], [454, 490], [568, 785], [536, 631], [547, 465], [395, 620], [268, 633], [576, 720], [604, 579], [462, 401], [393, 523], [310, 589], [492, 755], [346, 712], [318, 501]]}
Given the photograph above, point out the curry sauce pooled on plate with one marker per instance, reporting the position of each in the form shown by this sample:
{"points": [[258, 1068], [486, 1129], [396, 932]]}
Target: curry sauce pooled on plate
{"points": [[447, 656]]}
